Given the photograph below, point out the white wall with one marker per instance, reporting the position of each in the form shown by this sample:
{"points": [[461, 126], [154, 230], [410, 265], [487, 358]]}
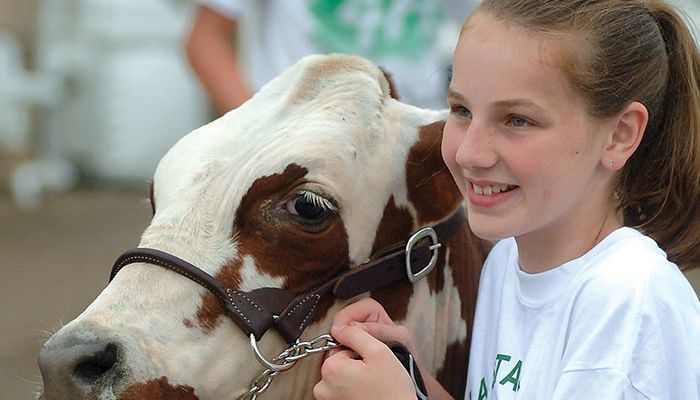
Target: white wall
{"points": [[128, 93]]}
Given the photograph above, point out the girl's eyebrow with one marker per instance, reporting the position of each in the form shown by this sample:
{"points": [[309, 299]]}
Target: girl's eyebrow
{"points": [[451, 94], [516, 103]]}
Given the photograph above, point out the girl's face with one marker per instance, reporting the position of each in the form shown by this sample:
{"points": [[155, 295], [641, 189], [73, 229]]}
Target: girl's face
{"points": [[519, 141]]}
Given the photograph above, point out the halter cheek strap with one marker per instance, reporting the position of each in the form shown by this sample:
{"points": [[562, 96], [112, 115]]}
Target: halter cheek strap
{"points": [[256, 311]]}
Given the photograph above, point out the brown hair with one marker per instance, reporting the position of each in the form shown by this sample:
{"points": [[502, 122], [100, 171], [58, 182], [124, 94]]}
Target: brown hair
{"points": [[625, 51]]}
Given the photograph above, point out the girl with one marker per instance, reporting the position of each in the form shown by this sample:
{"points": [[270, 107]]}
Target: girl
{"points": [[574, 136]]}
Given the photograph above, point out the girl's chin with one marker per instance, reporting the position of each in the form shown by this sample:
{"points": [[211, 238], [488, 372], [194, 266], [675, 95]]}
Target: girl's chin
{"points": [[487, 231]]}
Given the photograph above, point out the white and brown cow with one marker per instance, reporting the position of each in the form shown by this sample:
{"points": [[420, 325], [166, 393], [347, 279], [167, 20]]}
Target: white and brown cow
{"points": [[304, 181]]}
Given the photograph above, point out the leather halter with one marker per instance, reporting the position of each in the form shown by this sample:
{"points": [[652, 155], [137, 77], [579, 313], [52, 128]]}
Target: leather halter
{"points": [[256, 311]]}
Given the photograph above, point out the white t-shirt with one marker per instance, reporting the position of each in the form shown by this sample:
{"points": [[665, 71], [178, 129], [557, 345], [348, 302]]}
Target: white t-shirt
{"points": [[620, 322], [411, 39]]}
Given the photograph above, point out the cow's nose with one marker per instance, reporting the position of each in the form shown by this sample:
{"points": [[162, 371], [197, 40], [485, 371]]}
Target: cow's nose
{"points": [[72, 367]]}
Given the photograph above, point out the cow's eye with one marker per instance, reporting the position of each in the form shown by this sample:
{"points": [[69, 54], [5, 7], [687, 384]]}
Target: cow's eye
{"points": [[309, 206]]}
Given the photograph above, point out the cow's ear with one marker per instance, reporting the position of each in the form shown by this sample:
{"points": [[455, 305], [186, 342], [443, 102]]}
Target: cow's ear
{"points": [[392, 87]]}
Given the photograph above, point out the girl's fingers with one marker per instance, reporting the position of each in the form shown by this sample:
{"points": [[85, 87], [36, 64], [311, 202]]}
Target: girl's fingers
{"points": [[333, 351], [341, 366], [362, 342], [381, 332], [364, 310]]}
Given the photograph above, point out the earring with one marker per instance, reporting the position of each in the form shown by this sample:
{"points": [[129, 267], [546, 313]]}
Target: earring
{"points": [[611, 162]]}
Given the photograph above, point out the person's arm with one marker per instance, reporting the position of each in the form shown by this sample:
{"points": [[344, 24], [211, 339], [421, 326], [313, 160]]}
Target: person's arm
{"points": [[368, 368], [435, 390], [210, 49]]}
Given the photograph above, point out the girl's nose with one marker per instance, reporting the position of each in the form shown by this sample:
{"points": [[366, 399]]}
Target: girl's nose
{"points": [[477, 148]]}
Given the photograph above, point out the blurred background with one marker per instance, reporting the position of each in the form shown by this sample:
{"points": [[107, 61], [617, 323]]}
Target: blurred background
{"points": [[92, 94]]}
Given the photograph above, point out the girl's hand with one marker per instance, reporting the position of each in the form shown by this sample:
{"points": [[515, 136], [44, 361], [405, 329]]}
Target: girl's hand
{"points": [[367, 368], [368, 314], [368, 371]]}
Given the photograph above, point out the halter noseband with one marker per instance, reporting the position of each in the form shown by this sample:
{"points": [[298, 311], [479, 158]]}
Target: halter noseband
{"points": [[256, 311]]}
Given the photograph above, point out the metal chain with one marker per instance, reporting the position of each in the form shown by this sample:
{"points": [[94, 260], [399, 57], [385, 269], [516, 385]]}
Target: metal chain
{"points": [[288, 356]]}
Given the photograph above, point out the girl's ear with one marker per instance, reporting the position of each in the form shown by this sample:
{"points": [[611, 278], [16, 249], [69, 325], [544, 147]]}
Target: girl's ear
{"points": [[627, 135]]}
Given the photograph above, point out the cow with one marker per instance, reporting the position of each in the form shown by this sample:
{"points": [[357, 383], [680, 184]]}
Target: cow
{"points": [[320, 170]]}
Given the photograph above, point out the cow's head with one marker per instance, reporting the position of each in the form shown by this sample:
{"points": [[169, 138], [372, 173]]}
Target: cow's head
{"points": [[302, 182]]}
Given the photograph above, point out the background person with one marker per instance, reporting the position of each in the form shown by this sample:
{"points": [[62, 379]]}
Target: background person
{"points": [[405, 37]]}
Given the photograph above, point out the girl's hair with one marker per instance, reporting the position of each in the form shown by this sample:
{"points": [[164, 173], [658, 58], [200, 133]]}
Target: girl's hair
{"points": [[635, 50]]}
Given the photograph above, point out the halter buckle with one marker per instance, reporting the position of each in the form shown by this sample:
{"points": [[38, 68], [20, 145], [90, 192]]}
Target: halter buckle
{"points": [[415, 238]]}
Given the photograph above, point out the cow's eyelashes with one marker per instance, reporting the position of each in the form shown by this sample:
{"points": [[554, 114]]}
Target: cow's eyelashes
{"points": [[309, 205], [310, 209]]}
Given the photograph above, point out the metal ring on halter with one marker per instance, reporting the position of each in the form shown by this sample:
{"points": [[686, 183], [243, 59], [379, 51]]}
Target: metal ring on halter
{"points": [[269, 364], [423, 233]]}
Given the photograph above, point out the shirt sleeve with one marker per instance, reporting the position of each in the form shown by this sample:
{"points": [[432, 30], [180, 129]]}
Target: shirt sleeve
{"points": [[632, 335], [599, 384]]}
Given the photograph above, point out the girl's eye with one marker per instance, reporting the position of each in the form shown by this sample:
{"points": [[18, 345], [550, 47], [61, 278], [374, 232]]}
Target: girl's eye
{"points": [[518, 121], [309, 206], [461, 111]]}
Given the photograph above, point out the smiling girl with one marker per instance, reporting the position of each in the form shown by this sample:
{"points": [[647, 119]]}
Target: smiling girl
{"points": [[574, 136]]}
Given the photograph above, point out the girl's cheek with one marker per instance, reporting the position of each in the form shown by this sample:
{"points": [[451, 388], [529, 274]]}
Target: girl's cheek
{"points": [[449, 145]]}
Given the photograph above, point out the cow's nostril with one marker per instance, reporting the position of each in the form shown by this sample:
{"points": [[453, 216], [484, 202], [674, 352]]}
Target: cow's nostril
{"points": [[73, 365], [97, 364]]}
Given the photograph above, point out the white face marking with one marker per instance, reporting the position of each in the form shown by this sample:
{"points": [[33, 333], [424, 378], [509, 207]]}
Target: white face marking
{"points": [[252, 278]]}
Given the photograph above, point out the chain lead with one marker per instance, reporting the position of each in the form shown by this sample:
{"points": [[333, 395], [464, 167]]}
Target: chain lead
{"points": [[287, 357]]}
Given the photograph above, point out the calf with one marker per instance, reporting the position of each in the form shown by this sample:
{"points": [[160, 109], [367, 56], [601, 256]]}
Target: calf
{"points": [[318, 171]]}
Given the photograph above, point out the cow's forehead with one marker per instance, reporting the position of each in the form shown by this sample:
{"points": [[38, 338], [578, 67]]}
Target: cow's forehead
{"points": [[329, 114]]}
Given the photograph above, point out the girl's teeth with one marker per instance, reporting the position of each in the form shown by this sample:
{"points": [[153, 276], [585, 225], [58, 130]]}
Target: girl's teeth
{"points": [[487, 190]]}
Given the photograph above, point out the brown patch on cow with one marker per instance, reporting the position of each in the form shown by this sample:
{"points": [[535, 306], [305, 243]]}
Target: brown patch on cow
{"points": [[431, 188], [209, 313], [395, 227], [452, 375], [158, 389], [210, 310], [279, 245], [436, 279]]}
